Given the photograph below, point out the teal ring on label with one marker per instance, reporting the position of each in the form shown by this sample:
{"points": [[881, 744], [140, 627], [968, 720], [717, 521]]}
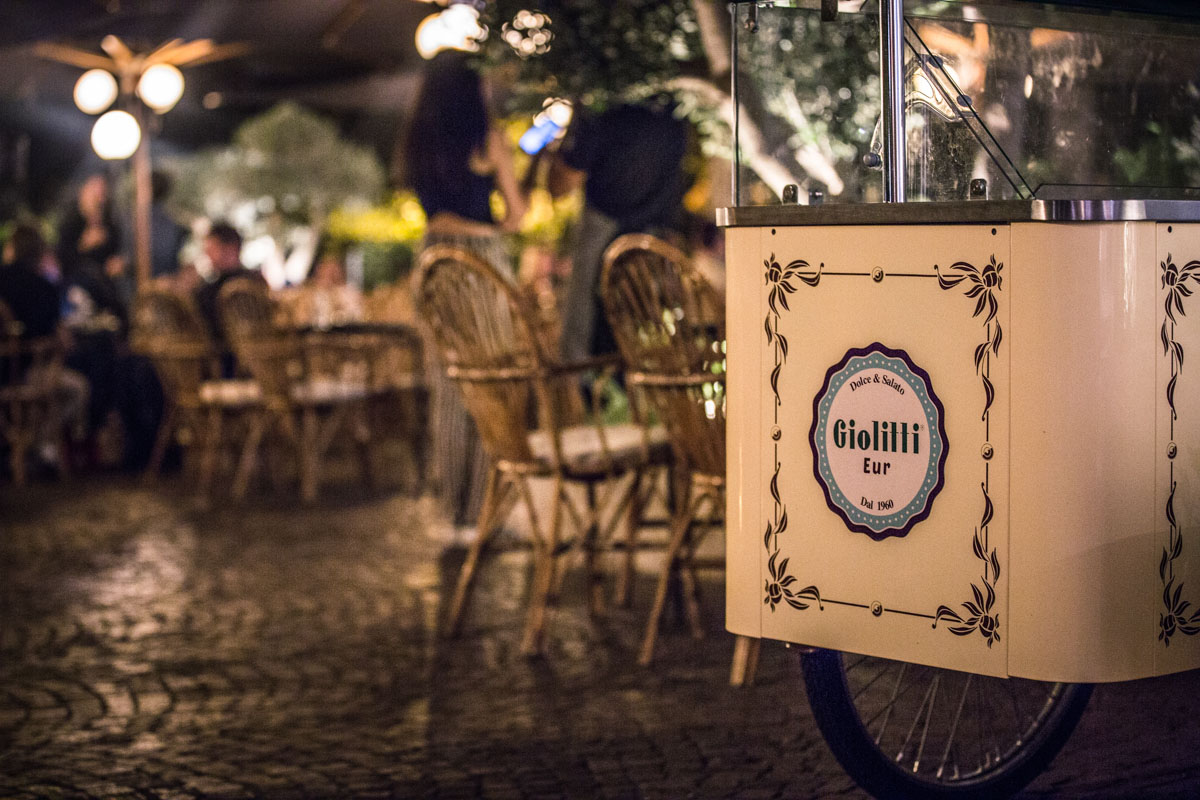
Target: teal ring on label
{"points": [[900, 522]]}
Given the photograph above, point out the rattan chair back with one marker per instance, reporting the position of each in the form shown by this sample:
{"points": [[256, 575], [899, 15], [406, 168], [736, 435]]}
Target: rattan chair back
{"points": [[159, 311], [486, 343], [245, 310], [21, 355], [669, 326], [167, 328]]}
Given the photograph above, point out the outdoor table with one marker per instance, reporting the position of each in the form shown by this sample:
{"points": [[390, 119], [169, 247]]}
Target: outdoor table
{"points": [[961, 428]]}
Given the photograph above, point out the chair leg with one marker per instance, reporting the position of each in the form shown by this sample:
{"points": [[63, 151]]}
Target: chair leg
{"points": [[687, 577], [249, 457], [543, 597], [208, 459], [162, 440], [492, 501], [417, 434], [745, 661], [362, 440], [623, 592], [687, 568], [16, 459], [595, 581], [308, 456], [679, 531]]}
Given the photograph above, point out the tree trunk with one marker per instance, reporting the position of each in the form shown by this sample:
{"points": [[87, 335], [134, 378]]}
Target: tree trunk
{"points": [[763, 136]]}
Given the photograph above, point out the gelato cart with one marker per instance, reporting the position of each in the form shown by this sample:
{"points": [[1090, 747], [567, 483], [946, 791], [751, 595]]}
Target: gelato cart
{"points": [[963, 427]]}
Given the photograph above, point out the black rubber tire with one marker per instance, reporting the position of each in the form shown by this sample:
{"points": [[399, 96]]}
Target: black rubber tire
{"points": [[841, 724]]}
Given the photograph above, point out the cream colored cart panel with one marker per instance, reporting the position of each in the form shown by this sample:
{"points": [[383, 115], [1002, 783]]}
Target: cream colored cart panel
{"points": [[1040, 376], [1083, 510], [889, 538]]}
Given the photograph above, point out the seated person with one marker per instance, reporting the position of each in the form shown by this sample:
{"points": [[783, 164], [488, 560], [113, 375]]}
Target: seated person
{"points": [[32, 299], [326, 298], [223, 248], [34, 303]]}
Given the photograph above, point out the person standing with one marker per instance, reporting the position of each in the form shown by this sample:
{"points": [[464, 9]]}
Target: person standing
{"points": [[456, 158], [89, 250], [167, 236], [629, 160]]}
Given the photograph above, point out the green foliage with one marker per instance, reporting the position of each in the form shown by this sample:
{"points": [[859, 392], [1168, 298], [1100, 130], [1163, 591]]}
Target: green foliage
{"points": [[826, 71], [385, 263], [1161, 158], [600, 50], [288, 161]]}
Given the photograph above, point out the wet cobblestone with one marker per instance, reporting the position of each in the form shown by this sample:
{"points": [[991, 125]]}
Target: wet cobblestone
{"points": [[261, 651]]}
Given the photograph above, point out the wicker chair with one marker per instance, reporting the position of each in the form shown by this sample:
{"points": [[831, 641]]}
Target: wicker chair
{"points": [[669, 325], [303, 402], [245, 310], [201, 409], [390, 303], [400, 396], [531, 420], [29, 395]]}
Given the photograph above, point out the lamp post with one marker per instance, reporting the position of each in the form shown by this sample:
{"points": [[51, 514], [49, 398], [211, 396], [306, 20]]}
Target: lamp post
{"points": [[138, 84]]}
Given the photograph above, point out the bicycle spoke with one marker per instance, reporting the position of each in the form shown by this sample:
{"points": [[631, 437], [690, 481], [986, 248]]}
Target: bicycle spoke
{"points": [[962, 701], [870, 683], [926, 703], [887, 710]]}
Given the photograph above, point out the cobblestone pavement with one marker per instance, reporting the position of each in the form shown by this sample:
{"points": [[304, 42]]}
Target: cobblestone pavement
{"points": [[147, 651]]}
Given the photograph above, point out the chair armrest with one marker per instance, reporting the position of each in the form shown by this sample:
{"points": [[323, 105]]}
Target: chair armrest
{"points": [[605, 362]]}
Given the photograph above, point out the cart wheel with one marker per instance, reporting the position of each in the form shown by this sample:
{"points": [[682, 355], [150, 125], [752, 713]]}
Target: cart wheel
{"points": [[907, 731]]}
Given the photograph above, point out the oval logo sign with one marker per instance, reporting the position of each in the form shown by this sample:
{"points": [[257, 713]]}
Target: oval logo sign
{"points": [[879, 443]]}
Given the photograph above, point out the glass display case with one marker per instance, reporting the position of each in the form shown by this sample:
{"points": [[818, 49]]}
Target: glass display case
{"points": [[1038, 101], [961, 269]]}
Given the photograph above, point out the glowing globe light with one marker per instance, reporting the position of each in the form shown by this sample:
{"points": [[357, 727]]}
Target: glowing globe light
{"points": [[456, 28], [116, 135], [95, 91], [160, 87]]}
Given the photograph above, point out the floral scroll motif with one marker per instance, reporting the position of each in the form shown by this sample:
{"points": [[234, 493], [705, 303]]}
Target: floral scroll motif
{"points": [[1174, 618], [782, 280], [778, 589], [978, 614], [982, 285], [1175, 282]]}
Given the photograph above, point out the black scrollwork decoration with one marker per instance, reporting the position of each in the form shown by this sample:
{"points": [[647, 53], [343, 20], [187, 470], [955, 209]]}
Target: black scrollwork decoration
{"points": [[1174, 618], [978, 614], [782, 281], [983, 285]]}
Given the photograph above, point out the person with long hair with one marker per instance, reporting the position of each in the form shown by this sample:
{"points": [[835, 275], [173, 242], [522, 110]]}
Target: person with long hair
{"points": [[456, 158]]}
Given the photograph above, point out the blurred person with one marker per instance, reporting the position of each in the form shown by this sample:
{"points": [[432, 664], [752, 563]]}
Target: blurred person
{"points": [[629, 160], [456, 158], [89, 254], [327, 298], [31, 297], [167, 236], [223, 248], [34, 303]]}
